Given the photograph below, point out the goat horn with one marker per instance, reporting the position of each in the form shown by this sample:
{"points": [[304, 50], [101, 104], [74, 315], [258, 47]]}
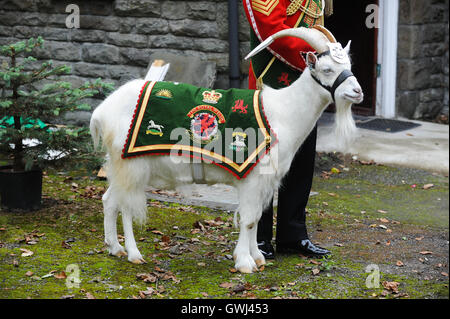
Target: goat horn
{"points": [[327, 33], [317, 38]]}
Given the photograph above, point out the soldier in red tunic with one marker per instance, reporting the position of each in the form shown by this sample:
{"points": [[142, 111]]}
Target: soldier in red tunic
{"points": [[278, 67]]}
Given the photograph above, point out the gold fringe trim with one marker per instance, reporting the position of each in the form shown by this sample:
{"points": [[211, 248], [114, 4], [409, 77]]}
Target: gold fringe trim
{"points": [[298, 5]]}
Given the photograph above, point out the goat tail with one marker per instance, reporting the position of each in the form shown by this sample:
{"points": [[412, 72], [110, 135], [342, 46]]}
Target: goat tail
{"points": [[95, 129]]}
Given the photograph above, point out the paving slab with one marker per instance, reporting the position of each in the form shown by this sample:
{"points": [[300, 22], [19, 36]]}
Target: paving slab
{"points": [[425, 147]]}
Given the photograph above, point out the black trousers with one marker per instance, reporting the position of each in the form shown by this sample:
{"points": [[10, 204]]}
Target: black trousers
{"points": [[293, 197]]}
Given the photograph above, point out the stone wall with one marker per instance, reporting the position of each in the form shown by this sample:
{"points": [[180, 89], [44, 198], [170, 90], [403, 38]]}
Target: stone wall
{"points": [[117, 37], [422, 91]]}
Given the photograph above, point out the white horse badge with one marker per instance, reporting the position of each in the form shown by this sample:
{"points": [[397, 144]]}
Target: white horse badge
{"points": [[154, 129]]}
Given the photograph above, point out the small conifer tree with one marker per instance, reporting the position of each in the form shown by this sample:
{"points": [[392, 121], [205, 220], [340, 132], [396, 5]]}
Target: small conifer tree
{"points": [[32, 101]]}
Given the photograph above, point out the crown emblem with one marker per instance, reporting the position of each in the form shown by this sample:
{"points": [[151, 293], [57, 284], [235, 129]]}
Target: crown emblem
{"points": [[211, 97]]}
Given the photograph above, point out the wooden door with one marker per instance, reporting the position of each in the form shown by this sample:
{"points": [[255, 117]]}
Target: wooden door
{"points": [[349, 23]]}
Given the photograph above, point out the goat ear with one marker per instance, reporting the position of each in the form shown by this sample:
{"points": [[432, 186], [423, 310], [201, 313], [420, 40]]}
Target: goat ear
{"points": [[347, 47], [311, 60]]}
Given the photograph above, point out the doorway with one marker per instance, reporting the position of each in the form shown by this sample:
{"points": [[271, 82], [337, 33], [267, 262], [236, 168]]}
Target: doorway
{"points": [[349, 23]]}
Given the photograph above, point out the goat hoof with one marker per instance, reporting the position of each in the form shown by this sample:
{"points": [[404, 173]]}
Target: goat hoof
{"points": [[245, 270], [138, 261], [260, 262], [121, 254]]}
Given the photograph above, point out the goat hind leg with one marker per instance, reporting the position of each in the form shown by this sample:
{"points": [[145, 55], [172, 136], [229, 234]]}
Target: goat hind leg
{"points": [[134, 255], [256, 254], [111, 212]]}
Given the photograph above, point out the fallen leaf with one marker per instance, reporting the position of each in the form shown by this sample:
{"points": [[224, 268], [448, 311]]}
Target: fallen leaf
{"points": [[65, 244], [29, 273], [226, 285], [315, 262], [334, 170], [399, 263], [232, 270], [60, 275], [420, 238], [444, 274], [147, 277], [382, 226], [26, 252], [157, 232], [201, 264], [315, 271], [204, 294], [89, 296], [239, 288], [339, 245], [428, 186], [391, 286], [382, 211], [426, 252], [165, 239], [384, 220], [332, 194]]}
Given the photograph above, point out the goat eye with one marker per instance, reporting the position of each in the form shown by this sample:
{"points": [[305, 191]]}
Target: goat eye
{"points": [[327, 71]]}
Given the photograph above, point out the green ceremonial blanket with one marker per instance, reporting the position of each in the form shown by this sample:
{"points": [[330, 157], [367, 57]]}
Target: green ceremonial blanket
{"points": [[224, 127]]}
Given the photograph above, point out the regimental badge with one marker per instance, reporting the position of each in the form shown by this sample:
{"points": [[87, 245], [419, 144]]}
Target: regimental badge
{"points": [[337, 53], [284, 79], [239, 106], [204, 127], [154, 129], [238, 143], [211, 97], [164, 94]]}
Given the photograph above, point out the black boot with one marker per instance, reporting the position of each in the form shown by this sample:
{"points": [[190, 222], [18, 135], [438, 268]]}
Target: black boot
{"points": [[304, 247], [266, 248]]}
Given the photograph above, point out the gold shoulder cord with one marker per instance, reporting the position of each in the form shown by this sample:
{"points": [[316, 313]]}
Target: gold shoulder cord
{"points": [[295, 5]]}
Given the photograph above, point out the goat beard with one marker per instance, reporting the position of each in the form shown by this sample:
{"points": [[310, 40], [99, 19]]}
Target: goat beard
{"points": [[344, 126]]}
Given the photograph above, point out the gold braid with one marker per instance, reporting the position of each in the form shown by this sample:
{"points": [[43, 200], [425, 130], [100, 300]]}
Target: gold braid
{"points": [[297, 4]]}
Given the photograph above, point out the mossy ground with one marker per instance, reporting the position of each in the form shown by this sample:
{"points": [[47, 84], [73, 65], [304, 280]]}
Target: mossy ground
{"points": [[188, 249]]}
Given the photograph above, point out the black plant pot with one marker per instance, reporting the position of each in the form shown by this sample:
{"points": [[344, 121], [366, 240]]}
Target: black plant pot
{"points": [[20, 190]]}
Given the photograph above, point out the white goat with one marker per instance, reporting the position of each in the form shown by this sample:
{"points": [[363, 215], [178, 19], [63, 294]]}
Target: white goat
{"points": [[292, 112]]}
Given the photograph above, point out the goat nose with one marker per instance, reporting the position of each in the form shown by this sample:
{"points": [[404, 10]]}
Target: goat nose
{"points": [[357, 90]]}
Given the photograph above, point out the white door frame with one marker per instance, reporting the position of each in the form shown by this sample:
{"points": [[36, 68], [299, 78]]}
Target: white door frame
{"points": [[387, 58]]}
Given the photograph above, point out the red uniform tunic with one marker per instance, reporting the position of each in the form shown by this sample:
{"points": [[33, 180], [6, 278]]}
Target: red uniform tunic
{"points": [[267, 17]]}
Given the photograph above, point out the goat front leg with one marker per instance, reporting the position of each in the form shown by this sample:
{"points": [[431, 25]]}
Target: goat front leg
{"points": [[130, 244], [111, 212], [245, 253]]}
